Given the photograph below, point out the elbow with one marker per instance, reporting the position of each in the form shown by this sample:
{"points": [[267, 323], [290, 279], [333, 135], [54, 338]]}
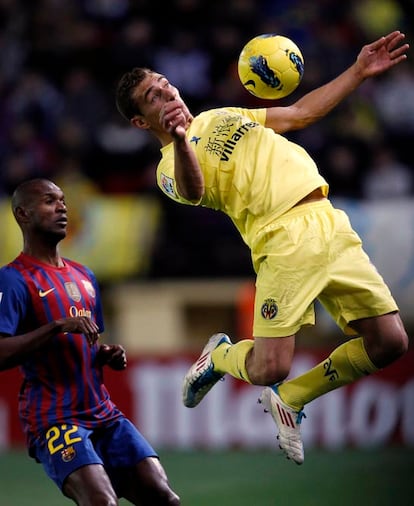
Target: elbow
{"points": [[9, 358], [304, 122], [192, 194], [195, 197]]}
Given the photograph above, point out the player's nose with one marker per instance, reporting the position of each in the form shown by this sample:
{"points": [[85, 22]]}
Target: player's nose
{"points": [[169, 94]]}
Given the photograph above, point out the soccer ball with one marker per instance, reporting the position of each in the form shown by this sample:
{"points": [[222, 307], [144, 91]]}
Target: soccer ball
{"points": [[270, 66]]}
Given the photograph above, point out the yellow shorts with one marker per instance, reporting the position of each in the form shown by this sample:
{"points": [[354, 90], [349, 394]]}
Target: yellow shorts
{"points": [[311, 253]]}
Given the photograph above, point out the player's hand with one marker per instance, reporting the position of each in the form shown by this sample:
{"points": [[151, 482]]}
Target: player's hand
{"points": [[173, 118], [382, 54], [113, 355], [80, 325]]}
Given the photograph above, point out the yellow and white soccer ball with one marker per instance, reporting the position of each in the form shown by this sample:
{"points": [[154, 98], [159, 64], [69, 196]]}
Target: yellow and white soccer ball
{"points": [[270, 66]]}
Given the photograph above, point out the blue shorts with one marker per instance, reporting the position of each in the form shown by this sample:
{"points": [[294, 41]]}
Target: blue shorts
{"points": [[66, 448]]}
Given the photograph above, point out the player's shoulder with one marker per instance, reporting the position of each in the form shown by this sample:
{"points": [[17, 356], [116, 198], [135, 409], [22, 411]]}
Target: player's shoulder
{"points": [[81, 268], [252, 114], [10, 272], [12, 281], [220, 111]]}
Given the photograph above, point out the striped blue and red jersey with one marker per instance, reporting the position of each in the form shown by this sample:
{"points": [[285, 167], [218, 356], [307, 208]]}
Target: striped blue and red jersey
{"points": [[62, 381]]}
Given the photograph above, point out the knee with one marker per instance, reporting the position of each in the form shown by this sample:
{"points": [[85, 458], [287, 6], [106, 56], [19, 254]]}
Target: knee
{"points": [[276, 373], [167, 498], [268, 372], [103, 499], [390, 349], [172, 499], [399, 345], [269, 360], [90, 496], [163, 494]]}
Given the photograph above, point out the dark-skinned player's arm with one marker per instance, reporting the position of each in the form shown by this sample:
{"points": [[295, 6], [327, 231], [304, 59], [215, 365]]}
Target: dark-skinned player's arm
{"points": [[14, 350]]}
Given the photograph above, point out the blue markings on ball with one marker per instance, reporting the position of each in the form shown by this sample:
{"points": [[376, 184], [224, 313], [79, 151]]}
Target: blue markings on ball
{"points": [[297, 62], [259, 66]]}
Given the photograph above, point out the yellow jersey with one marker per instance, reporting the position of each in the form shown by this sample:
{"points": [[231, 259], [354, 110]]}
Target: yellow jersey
{"points": [[250, 173]]}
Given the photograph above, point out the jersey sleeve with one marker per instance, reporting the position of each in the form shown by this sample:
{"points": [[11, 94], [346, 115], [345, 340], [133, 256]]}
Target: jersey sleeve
{"points": [[256, 115], [165, 170], [14, 299], [165, 177]]}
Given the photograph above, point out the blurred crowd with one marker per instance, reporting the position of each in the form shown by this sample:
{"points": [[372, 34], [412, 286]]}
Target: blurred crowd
{"points": [[60, 62]]}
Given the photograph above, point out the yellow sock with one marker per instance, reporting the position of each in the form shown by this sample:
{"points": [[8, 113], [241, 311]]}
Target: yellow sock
{"points": [[345, 364], [231, 359]]}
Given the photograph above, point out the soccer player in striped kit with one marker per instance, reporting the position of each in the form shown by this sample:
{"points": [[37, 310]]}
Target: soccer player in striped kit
{"points": [[50, 322]]}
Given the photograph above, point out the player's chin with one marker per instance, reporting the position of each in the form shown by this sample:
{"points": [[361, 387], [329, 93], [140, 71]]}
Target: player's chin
{"points": [[59, 232]]}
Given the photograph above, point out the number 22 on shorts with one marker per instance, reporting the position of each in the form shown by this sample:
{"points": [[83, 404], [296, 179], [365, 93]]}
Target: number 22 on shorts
{"points": [[60, 436]]}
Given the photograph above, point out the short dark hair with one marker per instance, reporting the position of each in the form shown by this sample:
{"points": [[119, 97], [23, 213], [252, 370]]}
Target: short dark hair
{"points": [[126, 85], [24, 192]]}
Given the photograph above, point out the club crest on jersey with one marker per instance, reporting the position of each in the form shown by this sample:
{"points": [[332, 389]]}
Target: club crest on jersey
{"points": [[68, 454], [73, 291], [89, 287], [167, 184], [269, 309]]}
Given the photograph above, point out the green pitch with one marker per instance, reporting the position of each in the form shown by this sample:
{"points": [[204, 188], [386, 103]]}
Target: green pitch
{"points": [[347, 478]]}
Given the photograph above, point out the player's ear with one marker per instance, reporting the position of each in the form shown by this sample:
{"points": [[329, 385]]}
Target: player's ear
{"points": [[21, 214], [139, 121]]}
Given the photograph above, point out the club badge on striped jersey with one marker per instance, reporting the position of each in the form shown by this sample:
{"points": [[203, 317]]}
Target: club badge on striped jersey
{"points": [[269, 309], [89, 288], [73, 291]]}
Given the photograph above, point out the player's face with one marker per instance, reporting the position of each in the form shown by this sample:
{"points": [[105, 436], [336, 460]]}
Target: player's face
{"points": [[152, 93], [48, 212]]}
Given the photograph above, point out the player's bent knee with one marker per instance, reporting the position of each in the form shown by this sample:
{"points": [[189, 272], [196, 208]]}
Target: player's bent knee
{"points": [[173, 500], [276, 370], [168, 497], [268, 374], [399, 345], [276, 377], [389, 350], [270, 361], [97, 500], [164, 496]]}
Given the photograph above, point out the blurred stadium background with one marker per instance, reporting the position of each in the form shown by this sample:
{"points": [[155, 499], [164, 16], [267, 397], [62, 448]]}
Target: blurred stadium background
{"points": [[172, 275]]}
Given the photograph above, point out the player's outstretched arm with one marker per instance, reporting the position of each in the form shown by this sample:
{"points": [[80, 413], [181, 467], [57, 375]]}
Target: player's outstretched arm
{"points": [[381, 55], [373, 59]]}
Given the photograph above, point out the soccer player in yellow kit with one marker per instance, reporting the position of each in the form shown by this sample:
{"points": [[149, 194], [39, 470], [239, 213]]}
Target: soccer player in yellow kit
{"points": [[235, 160]]}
